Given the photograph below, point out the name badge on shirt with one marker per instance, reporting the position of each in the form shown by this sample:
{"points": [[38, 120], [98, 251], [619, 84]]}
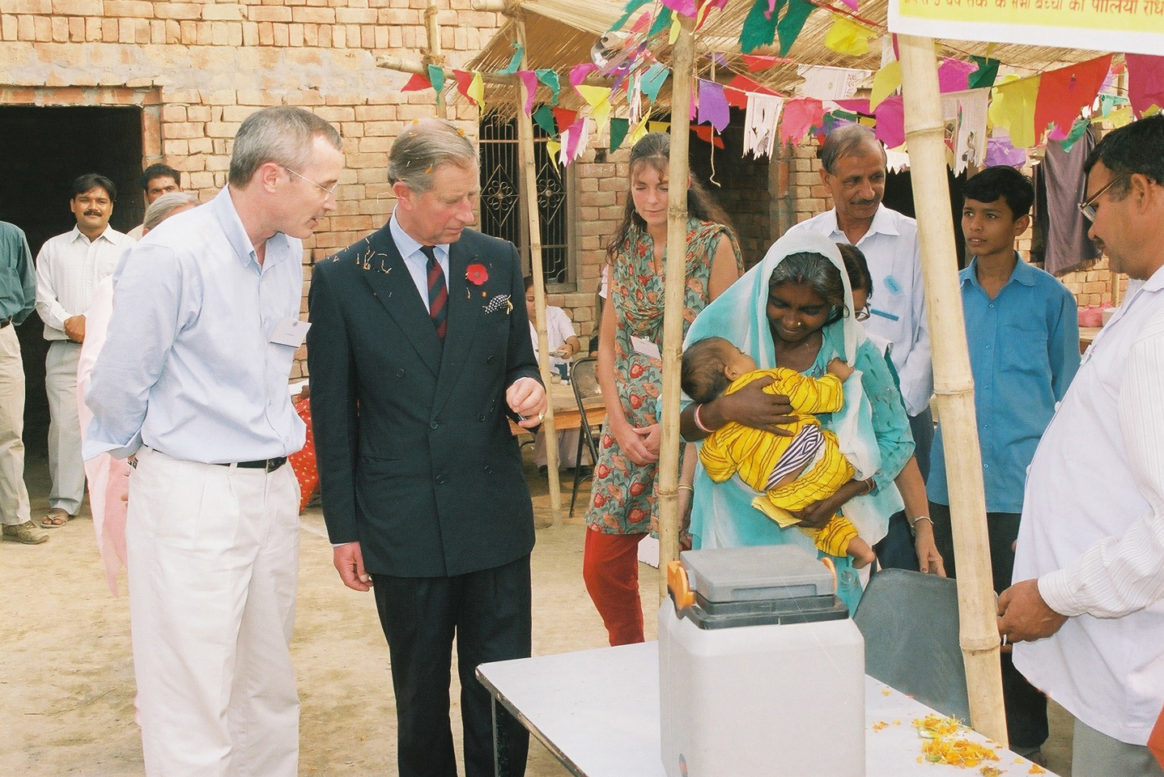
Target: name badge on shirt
{"points": [[646, 347], [290, 331], [892, 284]]}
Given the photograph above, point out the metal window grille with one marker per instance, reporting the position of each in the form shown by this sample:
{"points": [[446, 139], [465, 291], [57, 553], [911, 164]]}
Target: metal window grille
{"points": [[501, 197]]}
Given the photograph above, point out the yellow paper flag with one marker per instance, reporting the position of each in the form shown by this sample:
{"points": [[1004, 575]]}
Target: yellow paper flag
{"points": [[641, 129], [477, 90], [673, 35], [1122, 116], [553, 148], [658, 126], [1012, 107], [885, 83], [598, 98], [848, 37]]}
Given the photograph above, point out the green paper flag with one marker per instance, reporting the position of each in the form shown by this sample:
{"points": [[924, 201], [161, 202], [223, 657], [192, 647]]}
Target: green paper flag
{"points": [[662, 22], [985, 74], [544, 116], [631, 7], [759, 26], [437, 76], [793, 22], [618, 130], [550, 79], [515, 62], [1078, 130]]}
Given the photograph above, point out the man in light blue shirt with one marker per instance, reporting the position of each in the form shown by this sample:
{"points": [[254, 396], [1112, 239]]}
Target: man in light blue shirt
{"points": [[192, 381], [1023, 334]]}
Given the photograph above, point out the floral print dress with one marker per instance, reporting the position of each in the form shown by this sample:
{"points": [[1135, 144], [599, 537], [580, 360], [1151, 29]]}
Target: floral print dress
{"points": [[623, 499]]}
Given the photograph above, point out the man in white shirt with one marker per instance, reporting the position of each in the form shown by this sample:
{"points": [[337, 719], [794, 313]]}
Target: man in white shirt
{"points": [[1088, 604], [68, 269], [853, 167]]}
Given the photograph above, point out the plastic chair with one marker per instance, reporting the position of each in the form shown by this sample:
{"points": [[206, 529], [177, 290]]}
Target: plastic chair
{"points": [[584, 381], [910, 624]]}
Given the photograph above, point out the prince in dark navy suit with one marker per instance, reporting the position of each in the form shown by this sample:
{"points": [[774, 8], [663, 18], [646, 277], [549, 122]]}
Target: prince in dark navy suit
{"points": [[419, 348]]}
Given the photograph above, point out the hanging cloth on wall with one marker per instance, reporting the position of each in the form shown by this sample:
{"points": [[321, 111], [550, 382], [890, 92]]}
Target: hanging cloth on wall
{"points": [[1059, 186]]}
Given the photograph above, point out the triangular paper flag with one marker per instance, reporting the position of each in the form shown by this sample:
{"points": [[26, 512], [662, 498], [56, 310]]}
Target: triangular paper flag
{"points": [[544, 116], [574, 138], [436, 76], [793, 22], [954, 75], [618, 130], [1064, 92], [1145, 82], [985, 74], [736, 98], [477, 90], [550, 79], [746, 84], [598, 98], [514, 61], [652, 80], [530, 79], [578, 73], [416, 83], [639, 130], [759, 27], [564, 117], [848, 37], [707, 135], [1012, 107], [631, 7], [659, 126], [685, 7], [756, 62], [999, 151], [1122, 117], [890, 128], [799, 117], [662, 22], [554, 150], [1078, 130], [885, 83], [713, 107]]}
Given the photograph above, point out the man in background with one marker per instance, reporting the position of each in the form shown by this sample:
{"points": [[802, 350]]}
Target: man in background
{"points": [[68, 269], [156, 180]]}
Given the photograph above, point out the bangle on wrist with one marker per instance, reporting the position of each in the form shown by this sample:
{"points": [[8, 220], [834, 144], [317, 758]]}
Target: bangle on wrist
{"points": [[913, 522], [685, 487], [698, 421], [868, 486]]}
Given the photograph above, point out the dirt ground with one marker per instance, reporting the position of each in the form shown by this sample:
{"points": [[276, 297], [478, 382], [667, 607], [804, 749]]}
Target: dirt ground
{"points": [[66, 676]]}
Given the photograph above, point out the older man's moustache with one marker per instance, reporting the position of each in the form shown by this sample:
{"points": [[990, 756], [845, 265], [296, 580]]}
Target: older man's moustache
{"points": [[92, 213]]}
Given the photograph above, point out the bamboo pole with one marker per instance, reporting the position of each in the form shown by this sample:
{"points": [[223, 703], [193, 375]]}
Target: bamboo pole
{"points": [[954, 386], [529, 197], [675, 275]]}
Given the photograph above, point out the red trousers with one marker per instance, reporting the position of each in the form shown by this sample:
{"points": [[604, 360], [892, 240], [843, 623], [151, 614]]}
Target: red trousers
{"points": [[610, 567]]}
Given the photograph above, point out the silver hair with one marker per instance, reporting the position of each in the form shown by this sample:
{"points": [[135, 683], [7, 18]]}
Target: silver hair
{"points": [[283, 134], [425, 146], [161, 208], [845, 140]]}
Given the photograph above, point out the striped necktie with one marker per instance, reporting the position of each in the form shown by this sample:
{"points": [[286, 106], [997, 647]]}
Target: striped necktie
{"points": [[438, 293]]}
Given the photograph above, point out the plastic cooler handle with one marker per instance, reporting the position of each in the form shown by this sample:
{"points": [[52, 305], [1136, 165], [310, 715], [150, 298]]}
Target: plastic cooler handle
{"points": [[679, 585]]}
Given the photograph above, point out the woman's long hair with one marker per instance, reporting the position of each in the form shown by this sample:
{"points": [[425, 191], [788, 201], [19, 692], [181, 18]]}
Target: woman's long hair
{"points": [[654, 149]]}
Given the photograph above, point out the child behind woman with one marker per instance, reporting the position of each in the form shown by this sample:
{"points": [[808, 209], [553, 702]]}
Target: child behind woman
{"points": [[793, 472]]}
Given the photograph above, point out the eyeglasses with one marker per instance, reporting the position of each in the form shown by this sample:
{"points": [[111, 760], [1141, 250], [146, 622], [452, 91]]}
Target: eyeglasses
{"points": [[1088, 207], [862, 313], [328, 192]]}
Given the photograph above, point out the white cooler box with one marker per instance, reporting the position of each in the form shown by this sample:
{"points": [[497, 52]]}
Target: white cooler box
{"points": [[761, 670]]}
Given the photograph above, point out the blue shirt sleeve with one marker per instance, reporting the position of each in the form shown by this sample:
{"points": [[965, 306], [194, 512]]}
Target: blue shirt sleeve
{"points": [[890, 422]]}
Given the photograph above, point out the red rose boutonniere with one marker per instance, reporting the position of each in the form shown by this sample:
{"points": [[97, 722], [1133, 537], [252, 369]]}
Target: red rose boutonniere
{"points": [[476, 274]]}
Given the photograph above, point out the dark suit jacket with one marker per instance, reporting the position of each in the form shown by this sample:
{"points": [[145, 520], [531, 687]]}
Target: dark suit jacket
{"points": [[416, 460]]}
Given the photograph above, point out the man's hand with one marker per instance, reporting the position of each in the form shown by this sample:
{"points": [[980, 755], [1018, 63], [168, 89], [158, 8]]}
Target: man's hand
{"points": [[527, 398], [753, 407], [75, 328], [349, 562], [1023, 615]]}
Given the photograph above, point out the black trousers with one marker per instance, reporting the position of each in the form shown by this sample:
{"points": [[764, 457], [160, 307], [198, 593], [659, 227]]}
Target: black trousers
{"points": [[1026, 706], [488, 612]]}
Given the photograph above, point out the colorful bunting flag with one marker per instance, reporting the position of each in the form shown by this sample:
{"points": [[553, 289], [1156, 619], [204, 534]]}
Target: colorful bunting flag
{"points": [[756, 62], [1145, 81], [1012, 107], [639, 130], [1078, 130], [707, 135], [598, 98], [759, 27], [416, 84], [830, 83], [713, 107], [885, 82], [685, 7], [1063, 93], [436, 76], [890, 128], [761, 124], [954, 75], [662, 22], [800, 116], [514, 62], [544, 116], [848, 37], [631, 7], [652, 80], [618, 130], [1000, 151], [965, 114], [985, 74], [792, 23], [550, 79], [564, 118], [530, 79]]}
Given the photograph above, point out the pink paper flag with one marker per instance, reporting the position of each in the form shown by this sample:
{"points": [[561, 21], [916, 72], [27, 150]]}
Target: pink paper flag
{"points": [[954, 75], [530, 79], [890, 128], [685, 7], [575, 135], [578, 73], [1145, 81], [800, 115], [713, 107]]}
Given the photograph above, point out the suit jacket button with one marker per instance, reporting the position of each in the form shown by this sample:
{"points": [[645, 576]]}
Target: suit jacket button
{"points": [[434, 425], [490, 359], [400, 372], [481, 417], [441, 480]]}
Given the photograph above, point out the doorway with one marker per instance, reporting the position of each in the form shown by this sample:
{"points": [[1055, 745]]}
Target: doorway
{"points": [[49, 147]]}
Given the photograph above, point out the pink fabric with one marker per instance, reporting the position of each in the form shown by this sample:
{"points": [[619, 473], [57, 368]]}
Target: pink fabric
{"points": [[108, 477]]}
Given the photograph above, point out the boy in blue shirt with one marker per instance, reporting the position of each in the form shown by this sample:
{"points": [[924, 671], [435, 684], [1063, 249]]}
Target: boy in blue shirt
{"points": [[1023, 334]]}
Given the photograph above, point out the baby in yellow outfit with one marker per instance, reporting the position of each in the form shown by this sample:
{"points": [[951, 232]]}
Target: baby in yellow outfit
{"points": [[793, 472]]}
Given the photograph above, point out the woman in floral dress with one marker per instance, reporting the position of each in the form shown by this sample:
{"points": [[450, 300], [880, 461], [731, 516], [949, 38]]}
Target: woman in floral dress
{"points": [[623, 500]]}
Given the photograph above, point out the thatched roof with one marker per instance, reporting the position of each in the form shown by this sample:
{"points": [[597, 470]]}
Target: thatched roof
{"points": [[560, 34]]}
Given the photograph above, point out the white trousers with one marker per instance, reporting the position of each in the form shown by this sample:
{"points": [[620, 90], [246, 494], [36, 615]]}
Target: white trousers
{"points": [[213, 557], [66, 469], [13, 493]]}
